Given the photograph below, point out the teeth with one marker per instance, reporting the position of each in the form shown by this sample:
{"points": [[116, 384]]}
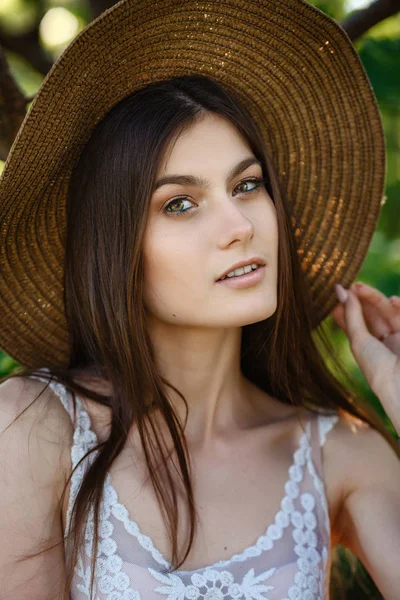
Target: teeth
{"points": [[241, 271]]}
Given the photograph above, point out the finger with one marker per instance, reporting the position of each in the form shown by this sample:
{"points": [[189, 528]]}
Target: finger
{"points": [[356, 326], [388, 309], [376, 321], [373, 357], [395, 302], [338, 315], [393, 343]]}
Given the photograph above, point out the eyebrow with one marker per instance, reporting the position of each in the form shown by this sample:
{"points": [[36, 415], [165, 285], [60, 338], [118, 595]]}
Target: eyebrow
{"points": [[204, 183]]}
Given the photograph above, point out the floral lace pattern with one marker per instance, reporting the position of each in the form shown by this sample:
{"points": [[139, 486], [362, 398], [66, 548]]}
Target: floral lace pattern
{"points": [[265, 542], [325, 424], [213, 582], [214, 585]]}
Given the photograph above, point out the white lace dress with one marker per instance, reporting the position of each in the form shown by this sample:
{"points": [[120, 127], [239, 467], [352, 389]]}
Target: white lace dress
{"points": [[289, 561]]}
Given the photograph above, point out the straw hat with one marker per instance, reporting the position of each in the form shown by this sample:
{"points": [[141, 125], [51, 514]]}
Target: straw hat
{"points": [[292, 66]]}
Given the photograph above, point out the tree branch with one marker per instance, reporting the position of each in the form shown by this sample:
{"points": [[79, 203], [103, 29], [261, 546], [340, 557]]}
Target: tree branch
{"points": [[99, 6], [362, 20], [12, 101]]}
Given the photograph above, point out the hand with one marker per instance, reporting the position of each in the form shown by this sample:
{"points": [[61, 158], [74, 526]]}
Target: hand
{"points": [[371, 322]]}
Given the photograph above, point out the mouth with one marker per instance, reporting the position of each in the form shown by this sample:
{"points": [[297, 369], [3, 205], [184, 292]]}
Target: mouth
{"points": [[241, 271], [244, 280]]}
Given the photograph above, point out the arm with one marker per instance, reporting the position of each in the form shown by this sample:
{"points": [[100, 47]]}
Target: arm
{"points": [[33, 461], [368, 522]]}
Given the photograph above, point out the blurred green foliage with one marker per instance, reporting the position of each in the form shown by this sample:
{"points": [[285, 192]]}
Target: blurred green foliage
{"points": [[379, 50]]}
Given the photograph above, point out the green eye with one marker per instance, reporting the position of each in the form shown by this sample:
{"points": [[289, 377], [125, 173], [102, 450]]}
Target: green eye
{"points": [[257, 182], [175, 202], [180, 199]]}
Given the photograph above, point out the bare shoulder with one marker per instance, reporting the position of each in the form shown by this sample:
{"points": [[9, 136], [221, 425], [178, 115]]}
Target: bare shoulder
{"points": [[35, 431], [39, 400], [29, 409], [355, 456]]}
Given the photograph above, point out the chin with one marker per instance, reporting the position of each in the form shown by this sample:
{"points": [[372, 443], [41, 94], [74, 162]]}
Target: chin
{"points": [[258, 319], [253, 316]]}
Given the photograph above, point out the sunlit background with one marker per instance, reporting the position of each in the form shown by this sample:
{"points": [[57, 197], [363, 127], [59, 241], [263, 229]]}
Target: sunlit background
{"points": [[61, 20], [379, 49]]}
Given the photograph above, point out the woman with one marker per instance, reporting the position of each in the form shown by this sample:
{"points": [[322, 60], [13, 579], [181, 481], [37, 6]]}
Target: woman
{"points": [[170, 191]]}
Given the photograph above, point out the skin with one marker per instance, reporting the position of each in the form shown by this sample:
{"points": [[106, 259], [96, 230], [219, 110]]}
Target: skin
{"points": [[195, 326], [240, 440], [368, 518], [366, 316], [195, 323]]}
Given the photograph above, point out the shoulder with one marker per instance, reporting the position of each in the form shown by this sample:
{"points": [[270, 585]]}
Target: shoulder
{"points": [[368, 470], [33, 419], [357, 453], [357, 458], [34, 400], [33, 437]]}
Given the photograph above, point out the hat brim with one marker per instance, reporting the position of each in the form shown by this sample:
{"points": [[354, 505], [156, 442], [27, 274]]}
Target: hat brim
{"points": [[292, 66]]}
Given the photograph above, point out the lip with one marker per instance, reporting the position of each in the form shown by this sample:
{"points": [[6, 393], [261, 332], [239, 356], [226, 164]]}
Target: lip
{"points": [[246, 280], [247, 261]]}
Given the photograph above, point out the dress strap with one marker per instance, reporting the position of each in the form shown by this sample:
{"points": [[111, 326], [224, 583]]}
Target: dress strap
{"points": [[325, 424], [321, 425], [60, 391]]}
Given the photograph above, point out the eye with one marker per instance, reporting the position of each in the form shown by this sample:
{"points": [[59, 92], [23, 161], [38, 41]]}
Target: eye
{"points": [[256, 181], [176, 201]]}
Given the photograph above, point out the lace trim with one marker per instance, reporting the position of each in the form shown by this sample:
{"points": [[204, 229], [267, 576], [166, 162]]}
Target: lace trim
{"points": [[212, 584], [325, 424], [110, 578], [57, 388], [319, 486], [310, 577], [264, 542], [308, 581], [110, 505], [83, 440]]}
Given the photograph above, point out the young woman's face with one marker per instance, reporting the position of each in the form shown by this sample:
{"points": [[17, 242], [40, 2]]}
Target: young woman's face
{"points": [[199, 230]]}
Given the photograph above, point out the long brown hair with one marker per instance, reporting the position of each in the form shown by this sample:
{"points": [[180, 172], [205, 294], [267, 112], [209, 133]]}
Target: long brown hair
{"points": [[109, 195]]}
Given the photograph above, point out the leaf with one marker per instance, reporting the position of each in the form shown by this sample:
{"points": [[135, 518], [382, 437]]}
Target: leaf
{"points": [[380, 58]]}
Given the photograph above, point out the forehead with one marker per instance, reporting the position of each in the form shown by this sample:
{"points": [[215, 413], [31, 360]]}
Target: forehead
{"points": [[212, 143]]}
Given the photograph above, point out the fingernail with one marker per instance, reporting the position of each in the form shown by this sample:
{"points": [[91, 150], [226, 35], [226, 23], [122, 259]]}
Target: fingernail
{"points": [[341, 293]]}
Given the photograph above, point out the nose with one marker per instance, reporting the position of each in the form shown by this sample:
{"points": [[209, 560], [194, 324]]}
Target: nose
{"points": [[235, 226]]}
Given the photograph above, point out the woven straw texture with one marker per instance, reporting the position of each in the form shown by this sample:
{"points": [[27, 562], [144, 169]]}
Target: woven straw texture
{"points": [[295, 70]]}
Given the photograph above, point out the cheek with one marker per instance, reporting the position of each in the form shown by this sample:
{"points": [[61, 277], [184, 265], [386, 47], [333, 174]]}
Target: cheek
{"points": [[266, 224], [169, 280], [273, 218], [157, 266]]}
